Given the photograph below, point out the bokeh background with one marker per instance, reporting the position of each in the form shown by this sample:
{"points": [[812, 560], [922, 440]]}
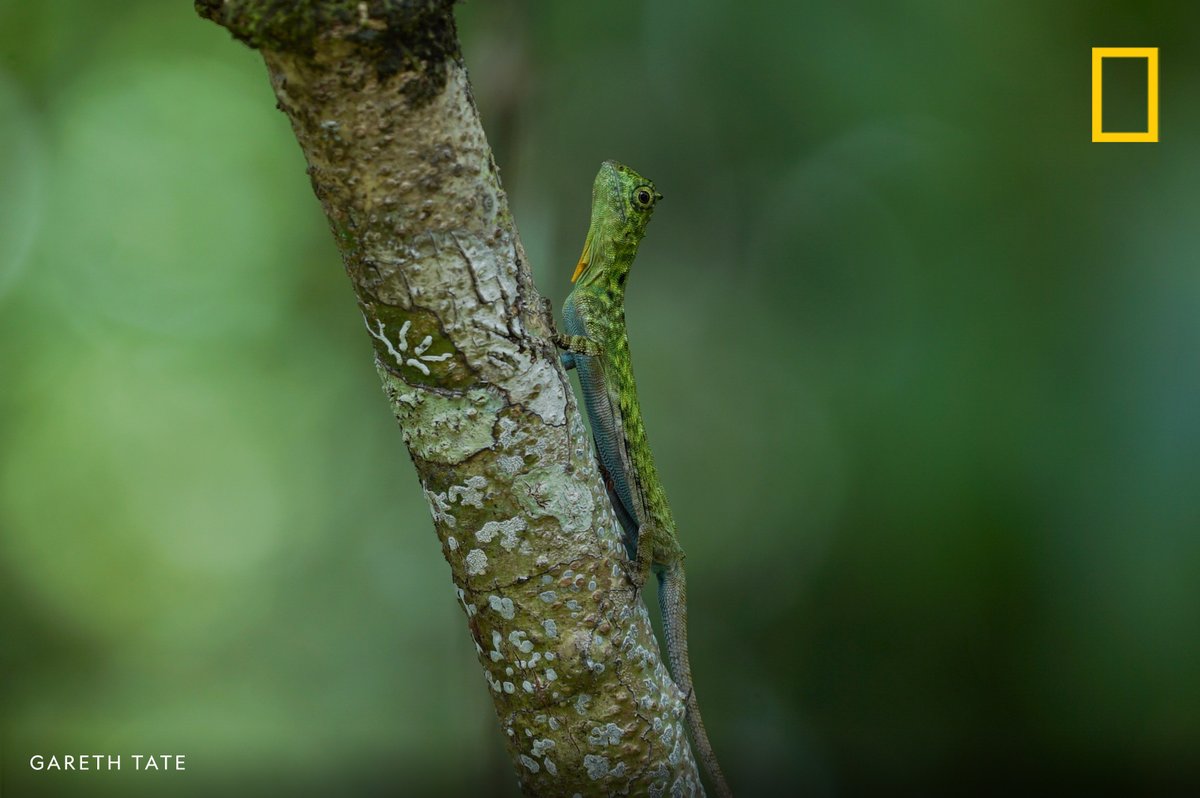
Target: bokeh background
{"points": [[921, 365]]}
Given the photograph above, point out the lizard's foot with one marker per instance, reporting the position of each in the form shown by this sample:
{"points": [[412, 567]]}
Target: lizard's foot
{"points": [[634, 574], [647, 533], [637, 577], [638, 569]]}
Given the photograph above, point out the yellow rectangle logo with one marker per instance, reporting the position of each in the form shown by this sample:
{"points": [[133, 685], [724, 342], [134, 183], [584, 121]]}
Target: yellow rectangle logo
{"points": [[1151, 56]]}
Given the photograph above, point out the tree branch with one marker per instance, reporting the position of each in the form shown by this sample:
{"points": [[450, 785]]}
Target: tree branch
{"points": [[379, 101]]}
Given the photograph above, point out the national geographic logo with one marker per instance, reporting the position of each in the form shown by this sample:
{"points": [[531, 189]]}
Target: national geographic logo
{"points": [[1150, 54]]}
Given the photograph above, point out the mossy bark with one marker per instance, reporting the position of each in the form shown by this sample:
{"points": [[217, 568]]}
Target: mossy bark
{"points": [[379, 101]]}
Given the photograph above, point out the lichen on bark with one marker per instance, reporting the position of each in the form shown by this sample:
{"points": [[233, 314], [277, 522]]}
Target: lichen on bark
{"points": [[379, 101]]}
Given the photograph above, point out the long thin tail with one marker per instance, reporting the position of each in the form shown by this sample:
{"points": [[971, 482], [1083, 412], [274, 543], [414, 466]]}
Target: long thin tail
{"points": [[672, 596]]}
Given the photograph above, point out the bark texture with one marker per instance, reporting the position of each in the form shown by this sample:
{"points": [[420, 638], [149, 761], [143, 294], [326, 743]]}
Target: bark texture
{"points": [[379, 101]]}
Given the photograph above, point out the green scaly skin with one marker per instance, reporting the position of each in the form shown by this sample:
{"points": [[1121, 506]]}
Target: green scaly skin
{"points": [[598, 347]]}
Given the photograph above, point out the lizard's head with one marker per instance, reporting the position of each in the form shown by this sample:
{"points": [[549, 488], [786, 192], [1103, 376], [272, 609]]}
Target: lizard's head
{"points": [[622, 203]]}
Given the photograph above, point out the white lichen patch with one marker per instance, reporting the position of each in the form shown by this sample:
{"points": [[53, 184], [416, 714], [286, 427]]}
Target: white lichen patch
{"points": [[536, 385], [529, 763], [508, 432], [597, 766], [439, 508], [503, 605], [676, 755], [438, 427], [510, 463], [469, 494], [609, 734], [534, 446], [669, 732], [507, 530], [476, 562], [401, 353], [467, 606], [552, 492], [520, 641], [550, 627]]}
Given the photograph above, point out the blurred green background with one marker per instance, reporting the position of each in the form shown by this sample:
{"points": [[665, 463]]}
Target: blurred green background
{"points": [[920, 363]]}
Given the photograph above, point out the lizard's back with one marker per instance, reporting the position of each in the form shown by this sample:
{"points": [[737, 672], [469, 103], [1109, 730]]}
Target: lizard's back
{"points": [[610, 394]]}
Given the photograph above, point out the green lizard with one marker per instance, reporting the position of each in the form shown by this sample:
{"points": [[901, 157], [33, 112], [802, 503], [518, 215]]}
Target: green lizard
{"points": [[597, 346]]}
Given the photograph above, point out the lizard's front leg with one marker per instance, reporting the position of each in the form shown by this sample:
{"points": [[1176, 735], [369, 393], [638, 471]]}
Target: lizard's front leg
{"points": [[578, 344]]}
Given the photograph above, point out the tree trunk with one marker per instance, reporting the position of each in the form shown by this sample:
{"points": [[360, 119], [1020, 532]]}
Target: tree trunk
{"points": [[379, 101]]}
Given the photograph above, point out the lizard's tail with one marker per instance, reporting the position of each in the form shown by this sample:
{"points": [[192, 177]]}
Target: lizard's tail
{"points": [[672, 588]]}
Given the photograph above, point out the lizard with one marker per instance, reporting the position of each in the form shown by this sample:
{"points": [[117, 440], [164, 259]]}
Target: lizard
{"points": [[596, 345]]}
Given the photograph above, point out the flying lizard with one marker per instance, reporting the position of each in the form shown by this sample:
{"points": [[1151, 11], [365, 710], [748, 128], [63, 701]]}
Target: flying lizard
{"points": [[596, 344]]}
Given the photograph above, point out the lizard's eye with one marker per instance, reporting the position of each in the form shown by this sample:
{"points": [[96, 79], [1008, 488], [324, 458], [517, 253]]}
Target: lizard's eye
{"points": [[643, 197]]}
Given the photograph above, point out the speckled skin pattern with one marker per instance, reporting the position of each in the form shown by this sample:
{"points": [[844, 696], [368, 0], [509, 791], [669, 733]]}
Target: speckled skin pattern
{"points": [[597, 345]]}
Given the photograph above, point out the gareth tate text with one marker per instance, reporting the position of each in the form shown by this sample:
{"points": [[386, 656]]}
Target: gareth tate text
{"points": [[107, 762]]}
